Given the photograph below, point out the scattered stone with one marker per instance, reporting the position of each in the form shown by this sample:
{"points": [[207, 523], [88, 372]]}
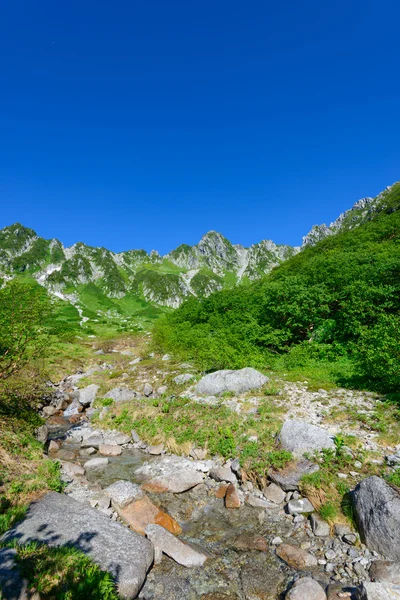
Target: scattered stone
{"points": [[239, 381], [135, 436], [198, 453], [58, 520], [162, 390], [110, 450], [320, 527], [49, 411], [143, 512], [250, 541], [96, 463], [289, 477], [257, 502], [184, 378], [123, 492], [94, 440], [120, 394], [297, 507], [136, 361], [306, 588], [41, 433], [232, 499], [223, 474], [350, 538], [220, 491], [274, 493], [147, 389], [276, 541], [182, 553], [99, 352], [166, 357], [53, 447], [300, 437], [296, 557], [341, 529], [116, 438], [176, 482], [377, 508], [264, 581], [88, 395], [63, 454], [156, 450], [72, 469], [385, 571]]}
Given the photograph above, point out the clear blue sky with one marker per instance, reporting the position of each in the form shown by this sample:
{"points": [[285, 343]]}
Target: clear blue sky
{"points": [[144, 124]]}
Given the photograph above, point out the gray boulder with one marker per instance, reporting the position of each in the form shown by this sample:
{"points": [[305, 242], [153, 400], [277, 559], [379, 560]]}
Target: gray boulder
{"points": [[238, 382], [299, 437], [306, 588], [58, 520], [184, 378], [289, 477], [385, 571], [378, 591], [377, 508], [88, 394], [123, 492], [120, 394]]}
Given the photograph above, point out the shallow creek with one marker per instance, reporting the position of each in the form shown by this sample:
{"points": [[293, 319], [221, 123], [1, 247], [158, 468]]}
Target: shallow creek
{"points": [[242, 563]]}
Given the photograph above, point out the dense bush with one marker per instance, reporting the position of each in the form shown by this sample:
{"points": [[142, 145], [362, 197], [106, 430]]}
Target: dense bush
{"points": [[339, 298]]}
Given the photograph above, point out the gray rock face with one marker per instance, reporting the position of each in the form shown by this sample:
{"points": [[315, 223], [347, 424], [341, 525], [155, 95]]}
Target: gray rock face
{"points": [[120, 394], [238, 382], [378, 591], [288, 479], [123, 493], [319, 526], [299, 437], [274, 493], [88, 394], [12, 586], [58, 520], [298, 507], [306, 588], [182, 553], [377, 508], [385, 571]]}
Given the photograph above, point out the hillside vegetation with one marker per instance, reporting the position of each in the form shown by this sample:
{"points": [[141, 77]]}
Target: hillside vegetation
{"points": [[337, 302]]}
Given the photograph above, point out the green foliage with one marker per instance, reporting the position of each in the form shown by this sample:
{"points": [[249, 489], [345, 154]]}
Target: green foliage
{"points": [[328, 511], [9, 514], [64, 573], [24, 309], [337, 303]]}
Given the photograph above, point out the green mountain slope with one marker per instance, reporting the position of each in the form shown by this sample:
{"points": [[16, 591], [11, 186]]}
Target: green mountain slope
{"points": [[338, 298]]}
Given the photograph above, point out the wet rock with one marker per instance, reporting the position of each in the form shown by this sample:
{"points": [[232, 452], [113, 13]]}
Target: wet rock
{"points": [[289, 477], [274, 493], [53, 447], [141, 513], [184, 378], [239, 381], [58, 520], [377, 508], [298, 507], [378, 591], [123, 492], [41, 433], [93, 440], [300, 437], [156, 450], [223, 474], [63, 454], [250, 541], [306, 588], [12, 585], [110, 450], [120, 394], [88, 395], [296, 557], [176, 549], [319, 527], [96, 463], [232, 499], [385, 571], [176, 482], [73, 409], [262, 581], [338, 592]]}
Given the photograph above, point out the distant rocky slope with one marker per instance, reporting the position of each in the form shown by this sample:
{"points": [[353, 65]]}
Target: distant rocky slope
{"points": [[212, 264]]}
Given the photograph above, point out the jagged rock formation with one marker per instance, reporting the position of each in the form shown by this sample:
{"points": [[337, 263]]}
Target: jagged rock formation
{"points": [[363, 210], [212, 264]]}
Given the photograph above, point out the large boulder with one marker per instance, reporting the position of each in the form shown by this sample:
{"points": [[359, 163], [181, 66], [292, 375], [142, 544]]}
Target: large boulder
{"points": [[289, 477], [58, 520], [238, 382], [182, 553], [176, 483], [88, 395], [300, 437], [306, 588], [377, 508], [120, 394], [378, 591], [386, 571]]}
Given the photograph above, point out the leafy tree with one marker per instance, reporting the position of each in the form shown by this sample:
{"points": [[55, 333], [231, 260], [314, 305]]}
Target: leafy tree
{"points": [[24, 310]]}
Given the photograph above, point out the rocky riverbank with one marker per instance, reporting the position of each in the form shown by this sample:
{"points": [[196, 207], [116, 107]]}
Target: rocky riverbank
{"points": [[213, 533]]}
